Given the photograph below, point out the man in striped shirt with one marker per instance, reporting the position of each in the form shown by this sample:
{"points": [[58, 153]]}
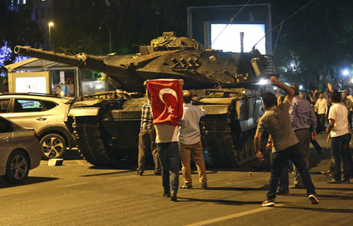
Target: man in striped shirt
{"points": [[147, 140]]}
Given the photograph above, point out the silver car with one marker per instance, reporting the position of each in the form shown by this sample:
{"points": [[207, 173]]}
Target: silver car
{"points": [[20, 151], [46, 114]]}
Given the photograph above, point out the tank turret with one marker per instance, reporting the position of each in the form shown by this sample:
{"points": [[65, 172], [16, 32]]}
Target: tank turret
{"points": [[106, 125], [169, 57]]}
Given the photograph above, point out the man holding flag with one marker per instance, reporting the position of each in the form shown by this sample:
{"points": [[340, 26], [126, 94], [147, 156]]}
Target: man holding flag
{"points": [[167, 109]]}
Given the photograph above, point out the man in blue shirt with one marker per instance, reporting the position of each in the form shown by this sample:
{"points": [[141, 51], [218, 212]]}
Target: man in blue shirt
{"points": [[304, 125]]}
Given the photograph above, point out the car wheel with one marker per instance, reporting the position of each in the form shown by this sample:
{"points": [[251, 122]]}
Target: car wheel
{"points": [[53, 146], [17, 167]]}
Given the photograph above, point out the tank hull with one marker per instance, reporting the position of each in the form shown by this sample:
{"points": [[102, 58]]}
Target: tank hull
{"points": [[109, 136]]}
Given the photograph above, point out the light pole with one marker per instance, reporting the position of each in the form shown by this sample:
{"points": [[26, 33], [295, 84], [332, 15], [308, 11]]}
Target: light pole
{"points": [[50, 24], [110, 36], [110, 40]]}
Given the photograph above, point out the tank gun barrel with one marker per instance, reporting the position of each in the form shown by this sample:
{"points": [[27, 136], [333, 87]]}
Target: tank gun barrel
{"points": [[84, 61]]}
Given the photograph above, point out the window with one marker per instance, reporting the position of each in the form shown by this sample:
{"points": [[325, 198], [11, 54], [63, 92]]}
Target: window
{"points": [[5, 126], [27, 105], [4, 105], [49, 105]]}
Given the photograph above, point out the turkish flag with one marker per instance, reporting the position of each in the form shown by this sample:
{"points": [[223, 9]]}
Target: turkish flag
{"points": [[166, 101]]}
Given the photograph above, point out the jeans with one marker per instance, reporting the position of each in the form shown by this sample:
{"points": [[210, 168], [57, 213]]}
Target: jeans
{"points": [[279, 159], [340, 153], [304, 138], [284, 178], [170, 161], [321, 123]]}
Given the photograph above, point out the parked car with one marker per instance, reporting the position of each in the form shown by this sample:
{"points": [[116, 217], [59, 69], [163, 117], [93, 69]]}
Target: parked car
{"points": [[46, 114], [20, 151]]}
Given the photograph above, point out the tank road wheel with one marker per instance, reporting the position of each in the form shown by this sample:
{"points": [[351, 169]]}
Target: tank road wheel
{"points": [[53, 146], [241, 147], [95, 145], [17, 167], [250, 143]]}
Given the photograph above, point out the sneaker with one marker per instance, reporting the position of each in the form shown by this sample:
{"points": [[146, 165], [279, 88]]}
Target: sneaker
{"points": [[186, 186], [333, 181], [297, 186], [157, 173], [346, 181], [173, 197], [268, 203], [327, 172], [166, 194], [313, 199], [282, 192], [139, 173], [204, 186]]}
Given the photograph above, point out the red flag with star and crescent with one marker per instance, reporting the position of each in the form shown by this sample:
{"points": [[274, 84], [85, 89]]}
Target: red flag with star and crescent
{"points": [[166, 101]]}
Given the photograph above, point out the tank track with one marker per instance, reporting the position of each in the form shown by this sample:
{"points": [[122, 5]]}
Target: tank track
{"points": [[224, 147], [97, 147]]}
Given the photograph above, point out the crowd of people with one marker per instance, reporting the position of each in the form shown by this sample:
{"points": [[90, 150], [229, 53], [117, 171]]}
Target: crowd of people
{"points": [[292, 121], [305, 115]]}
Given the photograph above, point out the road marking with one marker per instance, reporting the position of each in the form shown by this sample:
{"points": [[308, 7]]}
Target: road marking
{"points": [[81, 162], [219, 219], [14, 193], [71, 185], [123, 177]]}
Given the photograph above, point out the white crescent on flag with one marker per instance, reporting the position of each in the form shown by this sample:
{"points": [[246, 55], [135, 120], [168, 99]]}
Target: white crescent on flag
{"points": [[167, 90]]}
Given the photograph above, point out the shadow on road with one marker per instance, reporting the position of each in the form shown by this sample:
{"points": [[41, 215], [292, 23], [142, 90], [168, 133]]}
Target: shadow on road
{"points": [[238, 188], [338, 197], [102, 174], [29, 180], [320, 209], [338, 189], [219, 201]]}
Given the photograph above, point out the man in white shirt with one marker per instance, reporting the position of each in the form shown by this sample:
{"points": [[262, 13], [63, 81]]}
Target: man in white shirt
{"points": [[321, 109], [339, 134], [190, 142]]}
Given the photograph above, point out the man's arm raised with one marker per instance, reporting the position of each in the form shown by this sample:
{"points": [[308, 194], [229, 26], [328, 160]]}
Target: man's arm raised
{"points": [[287, 89]]}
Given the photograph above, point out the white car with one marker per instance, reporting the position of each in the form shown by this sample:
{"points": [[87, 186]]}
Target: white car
{"points": [[46, 114], [20, 151]]}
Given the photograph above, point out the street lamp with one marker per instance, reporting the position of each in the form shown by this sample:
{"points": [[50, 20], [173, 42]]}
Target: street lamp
{"points": [[50, 24], [345, 72]]}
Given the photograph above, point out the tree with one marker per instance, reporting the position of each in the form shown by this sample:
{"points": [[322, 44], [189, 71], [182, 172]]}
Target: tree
{"points": [[17, 28]]}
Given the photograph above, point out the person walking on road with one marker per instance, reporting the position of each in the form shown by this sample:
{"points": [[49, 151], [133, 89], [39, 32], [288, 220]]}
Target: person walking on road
{"points": [[304, 125], [190, 142], [167, 108], [276, 121], [322, 110]]}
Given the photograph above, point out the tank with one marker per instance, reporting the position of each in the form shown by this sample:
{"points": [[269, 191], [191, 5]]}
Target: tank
{"points": [[226, 84]]}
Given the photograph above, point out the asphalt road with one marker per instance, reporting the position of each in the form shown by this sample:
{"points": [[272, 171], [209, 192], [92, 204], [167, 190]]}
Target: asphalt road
{"points": [[78, 194]]}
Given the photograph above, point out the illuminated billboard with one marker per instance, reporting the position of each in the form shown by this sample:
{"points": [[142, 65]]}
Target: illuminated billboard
{"points": [[29, 82], [227, 37], [31, 85]]}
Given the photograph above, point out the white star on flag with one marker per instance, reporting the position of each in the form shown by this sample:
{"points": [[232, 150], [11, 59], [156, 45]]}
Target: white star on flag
{"points": [[170, 109]]}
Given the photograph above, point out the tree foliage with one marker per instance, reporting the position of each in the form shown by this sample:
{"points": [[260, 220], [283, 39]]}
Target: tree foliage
{"points": [[17, 28], [317, 39]]}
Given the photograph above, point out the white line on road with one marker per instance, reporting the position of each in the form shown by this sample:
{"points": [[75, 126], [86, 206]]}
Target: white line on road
{"points": [[123, 177], [219, 219], [81, 162], [71, 185], [14, 193]]}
